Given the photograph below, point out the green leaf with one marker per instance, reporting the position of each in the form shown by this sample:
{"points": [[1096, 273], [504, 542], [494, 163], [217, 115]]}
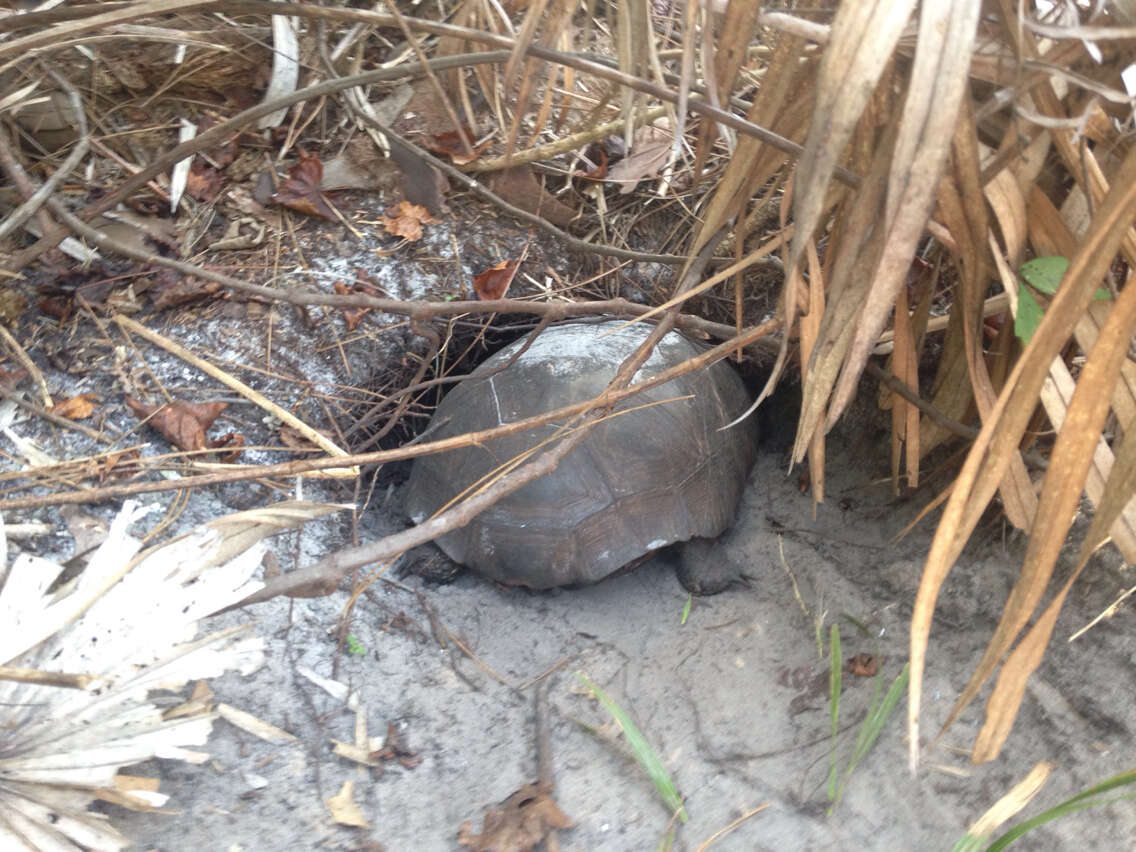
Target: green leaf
{"points": [[1045, 273], [1029, 315], [1090, 798], [354, 646], [686, 609]]}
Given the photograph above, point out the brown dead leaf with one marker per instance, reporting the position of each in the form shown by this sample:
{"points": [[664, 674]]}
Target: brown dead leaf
{"points": [[170, 289], [518, 824], [598, 171], [106, 469], [494, 282], [864, 665], [182, 423], [353, 316], [75, 407], [203, 181], [406, 220], [301, 191], [58, 306], [649, 151], [449, 144], [232, 442], [518, 186], [10, 378], [395, 748]]}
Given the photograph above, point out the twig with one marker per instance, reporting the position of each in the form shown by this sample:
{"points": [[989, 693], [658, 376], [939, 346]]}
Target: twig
{"points": [[18, 351], [571, 142], [894, 384], [26, 210], [68, 681], [58, 420]]}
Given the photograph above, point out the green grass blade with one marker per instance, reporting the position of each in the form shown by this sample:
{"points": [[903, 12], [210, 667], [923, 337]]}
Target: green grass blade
{"points": [[641, 749], [872, 727], [969, 843], [1089, 798], [835, 671]]}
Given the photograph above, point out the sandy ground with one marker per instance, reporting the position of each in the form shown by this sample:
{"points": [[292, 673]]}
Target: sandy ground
{"points": [[735, 701]]}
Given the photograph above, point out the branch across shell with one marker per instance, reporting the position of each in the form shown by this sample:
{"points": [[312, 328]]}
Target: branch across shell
{"points": [[661, 474]]}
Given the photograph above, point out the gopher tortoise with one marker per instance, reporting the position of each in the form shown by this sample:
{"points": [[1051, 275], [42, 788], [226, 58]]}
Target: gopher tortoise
{"points": [[662, 474]]}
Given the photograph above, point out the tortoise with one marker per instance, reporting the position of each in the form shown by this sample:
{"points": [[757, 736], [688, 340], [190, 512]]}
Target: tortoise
{"points": [[662, 474]]}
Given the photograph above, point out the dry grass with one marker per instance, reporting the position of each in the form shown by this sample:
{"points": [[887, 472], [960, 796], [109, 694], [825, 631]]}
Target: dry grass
{"points": [[902, 161]]}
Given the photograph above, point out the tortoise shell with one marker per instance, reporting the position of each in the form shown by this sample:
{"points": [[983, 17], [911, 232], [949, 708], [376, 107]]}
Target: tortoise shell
{"points": [[661, 474]]}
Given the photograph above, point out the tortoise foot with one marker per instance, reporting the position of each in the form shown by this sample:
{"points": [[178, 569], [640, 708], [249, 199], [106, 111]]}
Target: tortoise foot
{"points": [[429, 563], [704, 569]]}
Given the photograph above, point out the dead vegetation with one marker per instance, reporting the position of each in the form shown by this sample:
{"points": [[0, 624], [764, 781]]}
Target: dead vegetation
{"points": [[877, 171]]}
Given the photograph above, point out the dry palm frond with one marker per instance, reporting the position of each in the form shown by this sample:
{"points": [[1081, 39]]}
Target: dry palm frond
{"points": [[128, 625]]}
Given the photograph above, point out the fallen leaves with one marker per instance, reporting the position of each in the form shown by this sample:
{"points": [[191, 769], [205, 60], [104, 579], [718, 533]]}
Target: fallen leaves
{"points": [[395, 748], [343, 808], [649, 151], [494, 282], [184, 423], [406, 220], [519, 187], [864, 665], [450, 144], [75, 407], [301, 191], [518, 824]]}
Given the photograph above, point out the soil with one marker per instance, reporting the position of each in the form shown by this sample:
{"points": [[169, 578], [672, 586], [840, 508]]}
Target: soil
{"points": [[734, 701]]}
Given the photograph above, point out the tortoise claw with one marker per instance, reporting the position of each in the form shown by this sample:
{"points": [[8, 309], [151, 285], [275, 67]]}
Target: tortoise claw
{"points": [[706, 570]]}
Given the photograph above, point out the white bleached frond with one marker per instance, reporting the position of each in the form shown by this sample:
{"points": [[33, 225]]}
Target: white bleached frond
{"points": [[129, 625]]}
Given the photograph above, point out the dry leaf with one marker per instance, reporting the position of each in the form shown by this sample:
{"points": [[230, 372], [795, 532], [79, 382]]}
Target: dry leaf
{"points": [[518, 824], [203, 181], [395, 748], [649, 151], [295, 440], [71, 743], [75, 407], [449, 144], [494, 282], [343, 808], [9, 379], [301, 191], [171, 289], [108, 465], [406, 220], [864, 665], [996, 447], [182, 423], [518, 186]]}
